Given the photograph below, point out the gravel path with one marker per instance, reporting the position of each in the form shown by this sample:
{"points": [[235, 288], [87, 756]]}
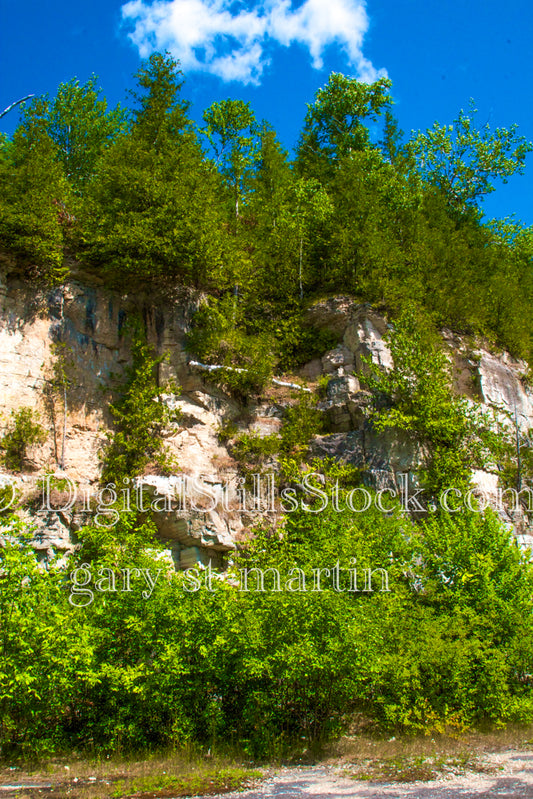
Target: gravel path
{"points": [[510, 776]]}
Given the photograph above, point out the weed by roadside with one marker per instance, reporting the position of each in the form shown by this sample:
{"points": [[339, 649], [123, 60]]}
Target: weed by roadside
{"points": [[414, 769], [152, 778]]}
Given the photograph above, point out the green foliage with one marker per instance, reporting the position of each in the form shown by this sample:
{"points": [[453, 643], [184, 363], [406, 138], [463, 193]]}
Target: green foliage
{"points": [[302, 421], [43, 648], [376, 208], [151, 211], [140, 418], [24, 431], [418, 398], [448, 646], [334, 124], [10, 496], [322, 386], [463, 161], [80, 126], [254, 448], [34, 196], [231, 132], [160, 115], [117, 536], [297, 342], [216, 338], [359, 211]]}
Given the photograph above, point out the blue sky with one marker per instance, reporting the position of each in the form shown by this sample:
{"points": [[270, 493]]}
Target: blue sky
{"points": [[276, 55]]}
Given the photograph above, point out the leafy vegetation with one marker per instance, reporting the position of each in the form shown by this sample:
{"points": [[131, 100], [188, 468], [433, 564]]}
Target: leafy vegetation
{"points": [[248, 361], [140, 193], [140, 417], [24, 431], [203, 660], [416, 396], [143, 198]]}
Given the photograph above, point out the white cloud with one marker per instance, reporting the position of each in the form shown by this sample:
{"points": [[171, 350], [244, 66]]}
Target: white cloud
{"points": [[232, 41]]}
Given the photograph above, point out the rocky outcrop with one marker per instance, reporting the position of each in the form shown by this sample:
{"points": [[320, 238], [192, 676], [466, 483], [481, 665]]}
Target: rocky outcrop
{"points": [[499, 382], [363, 332], [71, 343]]}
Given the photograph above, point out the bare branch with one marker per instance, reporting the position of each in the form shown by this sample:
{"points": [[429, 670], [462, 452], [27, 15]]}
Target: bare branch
{"points": [[214, 367], [13, 105]]}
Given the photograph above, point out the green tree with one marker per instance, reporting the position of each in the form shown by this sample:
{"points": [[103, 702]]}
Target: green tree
{"points": [[140, 418], [81, 126], [34, 196], [288, 213], [418, 397], [311, 205], [335, 123], [231, 130], [463, 160], [375, 213], [44, 649], [508, 285], [152, 212], [160, 114], [273, 233], [24, 431]]}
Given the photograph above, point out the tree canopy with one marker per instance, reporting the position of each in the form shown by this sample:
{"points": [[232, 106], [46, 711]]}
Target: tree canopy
{"points": [[140, 193]]}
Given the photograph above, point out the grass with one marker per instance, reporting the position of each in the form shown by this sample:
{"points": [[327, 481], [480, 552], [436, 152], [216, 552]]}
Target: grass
{"points": [[413, 769], [155, 777], [205, 783], [423, 758], [187, 773]]}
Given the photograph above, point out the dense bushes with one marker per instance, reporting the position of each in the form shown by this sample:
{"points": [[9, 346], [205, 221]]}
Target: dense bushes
{"points": [[449, 645], [218, 339]]}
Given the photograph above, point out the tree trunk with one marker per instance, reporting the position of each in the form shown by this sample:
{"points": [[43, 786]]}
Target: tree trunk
{"points": [[300, 273]]}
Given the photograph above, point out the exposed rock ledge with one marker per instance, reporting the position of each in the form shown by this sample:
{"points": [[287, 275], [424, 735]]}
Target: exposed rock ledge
{"points": [[90, 321]]}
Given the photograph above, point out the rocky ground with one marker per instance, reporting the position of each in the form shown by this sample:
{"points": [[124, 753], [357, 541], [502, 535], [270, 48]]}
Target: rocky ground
{"points": [[472, 766], [508, 774]]}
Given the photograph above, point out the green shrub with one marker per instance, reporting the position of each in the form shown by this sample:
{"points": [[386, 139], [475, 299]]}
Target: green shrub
{"points": [[140, 418], [297, 342], [24, 431], [217, 339], [301, 422], [416, 395], [254, 448], [450, 645]]}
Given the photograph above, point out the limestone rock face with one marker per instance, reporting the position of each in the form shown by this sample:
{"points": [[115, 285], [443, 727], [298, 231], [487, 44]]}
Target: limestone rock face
{"points": [[189, 513], [339, 361], [345, 403], [80, 330], [361, 329], [332, 314], [496, 380], [365, 337], [382, 457], [501, 381]]}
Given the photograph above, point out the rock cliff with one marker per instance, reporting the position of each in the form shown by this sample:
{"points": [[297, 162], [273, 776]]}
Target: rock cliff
{"points": [[62, 350]]}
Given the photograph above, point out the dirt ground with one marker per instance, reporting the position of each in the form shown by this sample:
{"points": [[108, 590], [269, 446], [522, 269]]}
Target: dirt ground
{"points": [[474, 766], [512, 778]]}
